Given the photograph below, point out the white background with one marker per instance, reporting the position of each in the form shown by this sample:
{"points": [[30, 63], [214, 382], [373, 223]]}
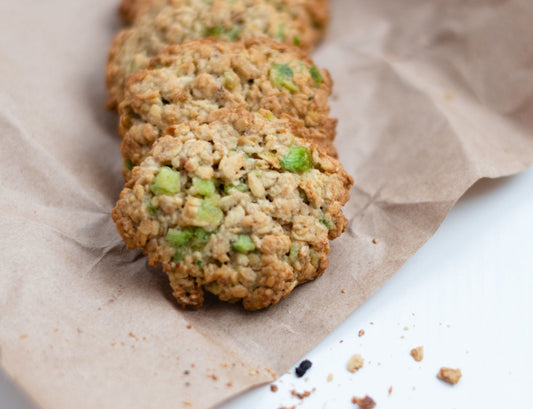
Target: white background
{"points": [[465, 297]]}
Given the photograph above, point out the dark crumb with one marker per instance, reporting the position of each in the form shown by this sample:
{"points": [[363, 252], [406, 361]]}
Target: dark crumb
{"points": [[303, 368], [343, 291], [375, 241], [364, 403], [361, 332], [229, 384], [213, 377], [273, 388], [189, 326], [341, 341], [186, 373]]}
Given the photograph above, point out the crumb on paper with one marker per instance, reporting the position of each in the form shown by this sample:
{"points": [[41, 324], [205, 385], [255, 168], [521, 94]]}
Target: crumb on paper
{"points": [[189, 326], [364, 403], [343, 291], [187, 403], [406, 328], [273, 388], [341, 341], [23, 336], [213, 377], [303, 368], [449, 375], [375, 241], [361, 333], [417, 353], [390, 389], [224, 365], [229, 384], [272, 373], [371, 322], [253, 372], [330, 377], [355, 363]]}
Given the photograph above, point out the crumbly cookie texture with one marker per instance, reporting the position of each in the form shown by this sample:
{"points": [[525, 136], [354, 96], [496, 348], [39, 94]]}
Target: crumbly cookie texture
{"points": [[191, 80], [176, 21], [315, 13], [449, 375], [238, 206]]}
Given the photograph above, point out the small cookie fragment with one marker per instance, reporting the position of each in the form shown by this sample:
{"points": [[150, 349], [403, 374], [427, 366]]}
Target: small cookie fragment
{"points": [[237, 206], [303, 368], [364, 403], [355, 363], [417, 353], [361, 333], [449, 375]]}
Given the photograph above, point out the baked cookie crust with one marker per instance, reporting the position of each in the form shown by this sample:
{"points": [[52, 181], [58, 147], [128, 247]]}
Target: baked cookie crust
{"points": [[237, 206]]}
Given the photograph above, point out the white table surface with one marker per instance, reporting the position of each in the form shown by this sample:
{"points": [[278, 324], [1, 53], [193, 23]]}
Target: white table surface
{"points": [[466, 297]]}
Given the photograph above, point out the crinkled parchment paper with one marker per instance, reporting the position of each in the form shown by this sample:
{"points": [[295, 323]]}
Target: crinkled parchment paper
{"points": [[430, 96]]}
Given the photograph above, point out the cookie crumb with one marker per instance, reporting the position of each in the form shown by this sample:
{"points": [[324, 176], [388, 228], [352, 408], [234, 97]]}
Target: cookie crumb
{"points": [[213, 377], [330, 377], [343, 291], [375, 241], [189, 326], [23, 336], [229, 384], [273, 388], [361, 333], [406, 328], [302, 395], [449, 375], [390, 389], [371, 322], [355, 363], [303, 368], [253, 372], [187, 403], [417, 353], [364, 403]]}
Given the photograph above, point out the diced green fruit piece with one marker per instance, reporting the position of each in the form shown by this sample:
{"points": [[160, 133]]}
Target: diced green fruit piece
{"points": [[280, 36], [243, 244], [203, 187], [178, 256], [151, 208], [326, 223], [198, 263], [293, 254], [213, 288], [209, 212], [241, 187], [178, 238], [316, 75], [297, 160], [230, 81], [269, 115], [296, 41], [281, 76], [234, 33], [215, 31], [129, 164], [200, 239], [166, 182]]}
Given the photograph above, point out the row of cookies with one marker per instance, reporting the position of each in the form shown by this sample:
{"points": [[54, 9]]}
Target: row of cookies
{"points": [[232, 184]]}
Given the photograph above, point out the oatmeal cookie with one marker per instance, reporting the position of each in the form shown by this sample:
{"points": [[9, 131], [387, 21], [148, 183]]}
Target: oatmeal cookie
{"points": [[190, 80], [238, 206], [315, 13], [177, 21]]}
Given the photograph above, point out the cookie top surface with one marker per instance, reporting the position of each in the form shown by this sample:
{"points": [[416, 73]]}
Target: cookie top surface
{"points": [[176, 21], [191, 80], [238, 206]]}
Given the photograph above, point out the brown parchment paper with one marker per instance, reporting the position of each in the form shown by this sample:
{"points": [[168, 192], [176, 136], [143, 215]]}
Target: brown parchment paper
{"points": [[430, 96]]}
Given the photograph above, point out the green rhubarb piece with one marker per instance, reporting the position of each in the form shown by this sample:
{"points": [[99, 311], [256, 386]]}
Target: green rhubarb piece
{"points": [[209, 212], [316, 75], [241, 187], [243, 244], [178, 256], [326, 223], [296, 41], [230, 81], [166, 182], [235, 33], [204, 187], [215, 31], [178, 238], [199, 239], [293, 253], [281, 76], [129, 164], [297, 160]]}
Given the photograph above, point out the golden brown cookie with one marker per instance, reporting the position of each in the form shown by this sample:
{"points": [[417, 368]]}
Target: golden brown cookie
{"points": [[176, 21], [191, 80], [238, 206]]}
